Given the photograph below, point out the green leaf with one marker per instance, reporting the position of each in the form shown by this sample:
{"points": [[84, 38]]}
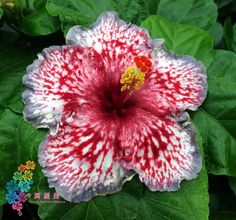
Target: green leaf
{"points": [[30, 17], [182, 39], [218, 144], [232, 183], [39, 23], [14, 59], [200, 13], [122, 205], [217, 118], [74, 12]]}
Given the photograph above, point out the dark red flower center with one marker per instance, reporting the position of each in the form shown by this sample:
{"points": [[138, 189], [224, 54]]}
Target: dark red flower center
{"points": [[117, 99], [117, 104]]}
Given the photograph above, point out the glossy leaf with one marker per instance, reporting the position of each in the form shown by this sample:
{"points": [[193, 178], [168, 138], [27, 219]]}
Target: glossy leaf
{"points": [[217, 117], [122, 205], [14, 59], [200, 13], [39, 23], [30, 17], [182, 39], [73, 12]]}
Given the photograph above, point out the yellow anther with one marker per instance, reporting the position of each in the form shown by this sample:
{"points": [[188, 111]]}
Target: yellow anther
{"points": [[132, 78]]}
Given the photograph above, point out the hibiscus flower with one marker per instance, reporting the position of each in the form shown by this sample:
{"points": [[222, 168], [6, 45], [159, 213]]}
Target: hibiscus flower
{"points": [[114, 101]]}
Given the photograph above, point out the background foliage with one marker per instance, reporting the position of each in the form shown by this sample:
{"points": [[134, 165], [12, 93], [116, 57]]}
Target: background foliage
{"points": [[205, 29]]}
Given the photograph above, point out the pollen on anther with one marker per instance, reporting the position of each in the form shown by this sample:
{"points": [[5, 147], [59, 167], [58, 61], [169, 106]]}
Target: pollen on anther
{"points": [[131, 78]]}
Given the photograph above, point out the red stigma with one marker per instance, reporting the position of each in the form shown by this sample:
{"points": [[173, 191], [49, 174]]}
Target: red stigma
{"points": [[143, 63]]}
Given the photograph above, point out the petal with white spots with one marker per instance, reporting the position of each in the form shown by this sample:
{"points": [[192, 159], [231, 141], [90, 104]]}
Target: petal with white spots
{"points": [[82, 162], [59, 82], [116, 41], [162, 151], [174, 84]]}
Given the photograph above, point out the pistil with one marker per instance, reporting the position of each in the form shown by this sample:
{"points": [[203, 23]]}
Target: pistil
{"points": [[134, 75]]}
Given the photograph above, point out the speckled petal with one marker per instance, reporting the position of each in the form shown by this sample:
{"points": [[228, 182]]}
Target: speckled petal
{"points": [[161, 150], [175, 83], [59, 82], [117, 42], [81, 162]]}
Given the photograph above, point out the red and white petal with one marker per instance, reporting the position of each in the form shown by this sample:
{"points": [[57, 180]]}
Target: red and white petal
{"points": [[59, 81], [117, 42], [174, 84], [162, 151], [81, 162]]}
